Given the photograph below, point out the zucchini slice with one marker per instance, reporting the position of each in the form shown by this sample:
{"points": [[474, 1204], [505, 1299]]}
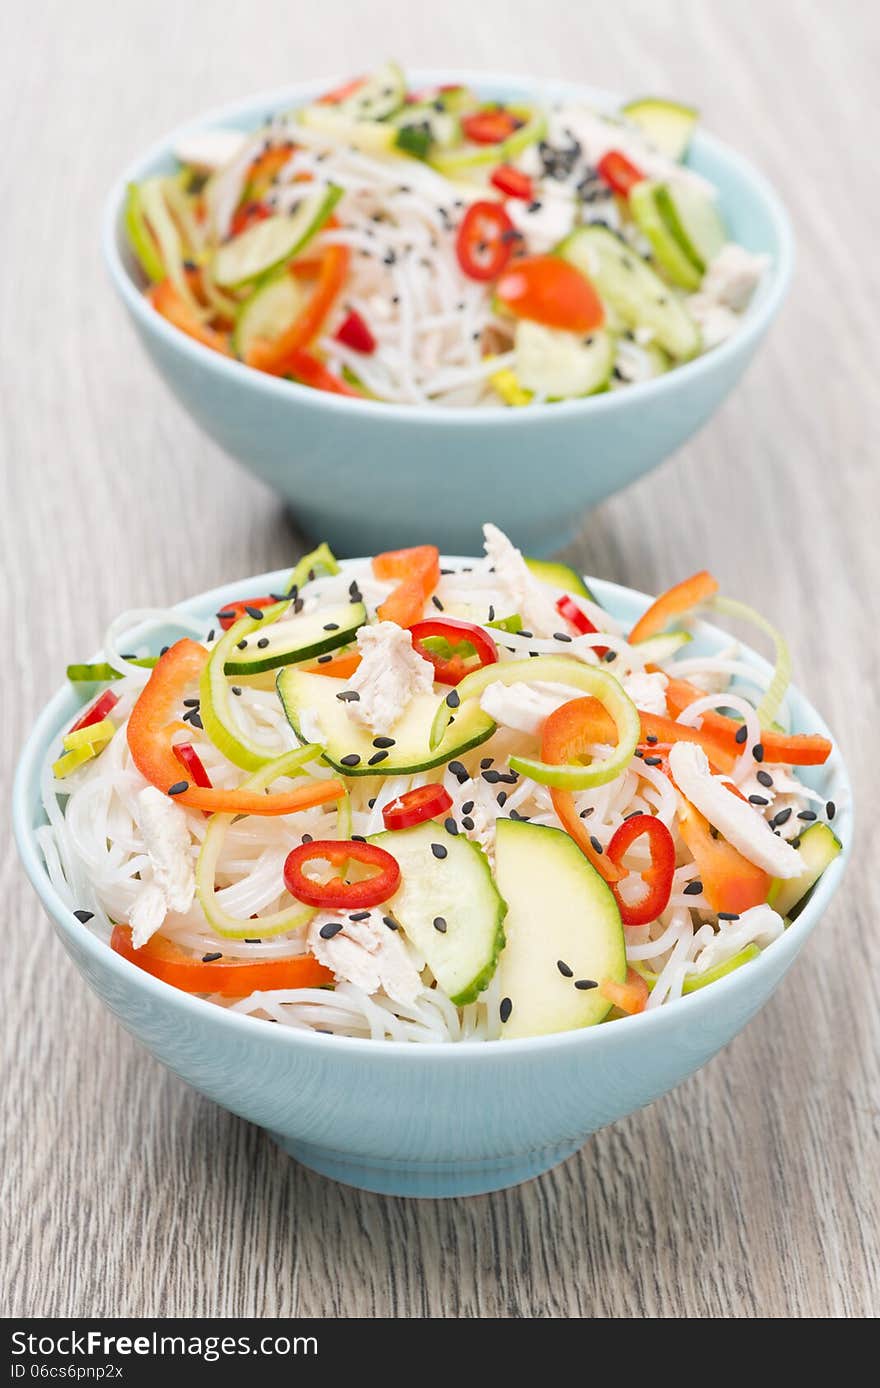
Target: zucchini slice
{"points": [[276, 302], [350, 748], [378, 97], [140, 238], [301, 638], [562, 365], [667, 124], [369, 136], [676, 264], [268, 244], [694, 221], [819, 847]]}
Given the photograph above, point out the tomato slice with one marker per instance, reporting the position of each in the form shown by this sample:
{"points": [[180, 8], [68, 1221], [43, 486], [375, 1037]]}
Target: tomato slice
{"points": [[231, 978], [338, 895], [424, 802], [484, 243], [489, 127], [548, 290]]}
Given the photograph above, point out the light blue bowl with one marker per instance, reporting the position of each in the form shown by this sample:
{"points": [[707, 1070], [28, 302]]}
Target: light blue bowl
{"points": [[428, 1120], [368, 476]]}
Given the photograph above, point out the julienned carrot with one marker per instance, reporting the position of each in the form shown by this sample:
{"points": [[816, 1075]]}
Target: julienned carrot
{"points": [[794, 749], [675, 602], [631, 996], [153, 720], [274, 357], [166, 300]]}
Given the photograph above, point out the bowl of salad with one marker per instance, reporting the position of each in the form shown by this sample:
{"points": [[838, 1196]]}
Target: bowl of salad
{"points": [[411, 286], [432, 867]]}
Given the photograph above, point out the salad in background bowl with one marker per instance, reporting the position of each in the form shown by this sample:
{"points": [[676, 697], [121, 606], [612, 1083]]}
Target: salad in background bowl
{"points": [[421, 244], [452, 823]]}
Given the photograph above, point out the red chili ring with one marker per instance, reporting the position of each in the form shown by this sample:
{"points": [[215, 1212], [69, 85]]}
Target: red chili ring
{"points": [[424, 802], [337, 895], [657, 877], [454, 631]]}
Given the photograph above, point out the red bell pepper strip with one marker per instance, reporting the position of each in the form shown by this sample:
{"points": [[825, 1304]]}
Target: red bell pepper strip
{"points": [[488, 127], [166, 300], [274, 356], [263, 170], [154, 719], [418, 572], [512, 182], [675, 602], [568, 608], [546, 289], [353, 332], [338, 895], [595, 725], [452, 670], [231, 978], [631, 996], [730, 881], [192, 763], [247, 216], [232, 612], [484, 242], [424, 802], [565, 735], [793, 749], [309, 371], [657, 878], [342, 93], [619, 173], [98, 711]]}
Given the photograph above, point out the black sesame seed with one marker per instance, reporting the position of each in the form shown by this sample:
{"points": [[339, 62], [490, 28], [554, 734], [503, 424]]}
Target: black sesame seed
{"points": [[453, 699], [501, 798], [390, 922], [331, 626], [440, 924], [351, 759], [354, 591], [348, 696], [437, 603], [164, 650], [527, 634], [830, 809], [694, 888], [84, 916], [467, 807], [782, 817], [796, 841], [308, 838], [492, 777], [359, 915], [254, 941], [210, 636], [652, 739], [585, 814], [467, 822], [764, 778], [521, 818], [226, 615], [505, 1009], [758, 800], [653, 761], [325, 659], [584, 983], [236, 689], [439, 850], [209, 958], [298, 605], [639, 752], [511, 777], [178, 788], [190, 703], [609, 656], [377, 757], [383, 741], [262, 643], [564, 969], [561, 636], [330, 929], [254, 612], [741, 734], [459, 772], [596, 843], [242, 645], [450, 825], [491, 616], [728, 915], [758, 751], [194, 719], [807, 814]]}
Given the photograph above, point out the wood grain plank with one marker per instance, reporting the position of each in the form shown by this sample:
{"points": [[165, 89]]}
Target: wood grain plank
{"points": [[752, 1190]]}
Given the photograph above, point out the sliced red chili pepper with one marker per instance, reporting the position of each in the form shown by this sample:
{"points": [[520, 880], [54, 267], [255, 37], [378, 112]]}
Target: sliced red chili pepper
{"points": [[657, 878], [512, 182], [232, 612], [98, 711], [619, 173], [192, 763], [338, 895], [568, 608], [425, 802], [484, 243], [311, 372], [247, 216], [355, 333], [452, 669], [489, 127]]}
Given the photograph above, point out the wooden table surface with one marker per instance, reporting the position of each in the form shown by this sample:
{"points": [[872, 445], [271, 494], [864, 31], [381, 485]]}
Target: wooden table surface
{"points": [[752, 1190]]}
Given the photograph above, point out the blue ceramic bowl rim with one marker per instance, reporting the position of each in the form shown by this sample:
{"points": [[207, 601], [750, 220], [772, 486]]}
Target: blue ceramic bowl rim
{"points": [[63, 706], [755, 320]]}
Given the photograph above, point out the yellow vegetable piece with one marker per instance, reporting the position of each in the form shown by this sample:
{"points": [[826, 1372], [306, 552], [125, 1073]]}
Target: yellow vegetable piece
{"points": [[90, 736], [509, 388]]}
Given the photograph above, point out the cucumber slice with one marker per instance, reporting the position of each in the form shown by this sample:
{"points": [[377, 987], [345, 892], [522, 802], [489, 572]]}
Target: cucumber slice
{"points": [[632, 288], [655, 649], [140, 238], [819, 846], [668, 254], [268, 244], [694, 982], [561, 916], [456, 890], [268, 312], [557, 575], [667, 124], [379, 97], [471, 156], [344, 738], [562, 365], [371, 137], [693, 219], [301, 638]]}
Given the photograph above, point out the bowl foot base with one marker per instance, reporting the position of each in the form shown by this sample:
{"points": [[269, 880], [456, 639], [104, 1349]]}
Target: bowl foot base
{"points": [[426, 1180]]}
